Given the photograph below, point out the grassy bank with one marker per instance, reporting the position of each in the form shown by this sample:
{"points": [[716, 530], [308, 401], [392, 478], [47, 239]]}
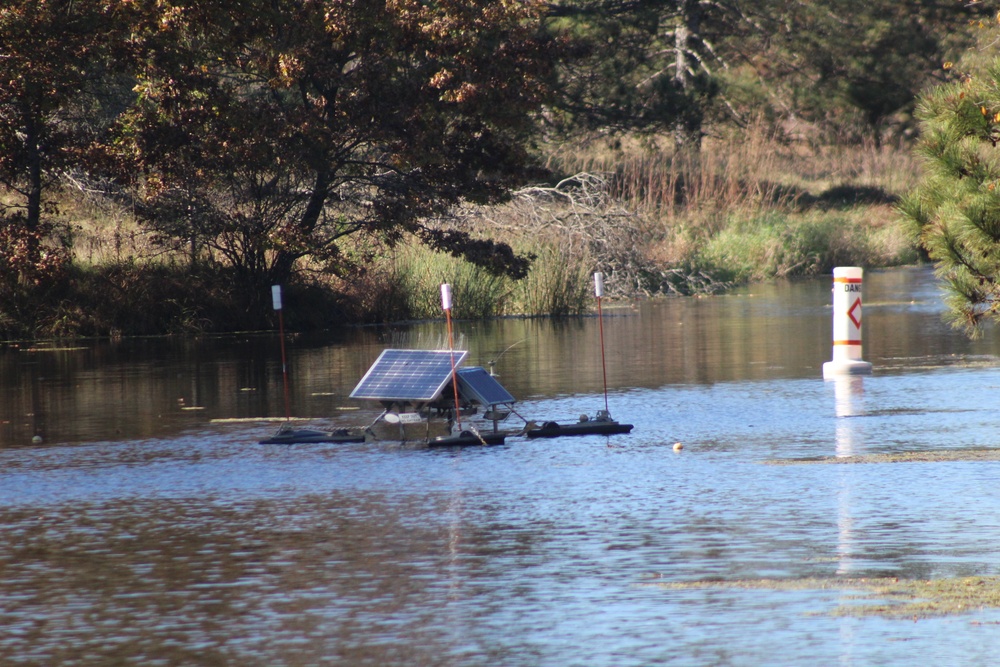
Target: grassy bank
{"points": [[753, 208], [406, 286], [749, 208]]}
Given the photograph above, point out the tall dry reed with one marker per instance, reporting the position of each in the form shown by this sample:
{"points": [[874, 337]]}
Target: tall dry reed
{"points": [[755, 170], [723, 176]]}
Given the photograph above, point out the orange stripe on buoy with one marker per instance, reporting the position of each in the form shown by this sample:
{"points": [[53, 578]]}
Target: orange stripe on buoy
{"points": [[847, 342], [847, 280]]}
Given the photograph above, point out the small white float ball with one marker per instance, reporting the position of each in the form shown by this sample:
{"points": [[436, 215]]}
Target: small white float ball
{"points": [[37, 440], [678, 446]]}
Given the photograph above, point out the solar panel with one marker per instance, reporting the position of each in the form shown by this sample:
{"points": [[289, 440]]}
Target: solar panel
{"points": [[408, 375], [475, 383]]}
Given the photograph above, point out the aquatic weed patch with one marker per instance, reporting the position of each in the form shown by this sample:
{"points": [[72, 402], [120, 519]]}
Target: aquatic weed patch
{"points": [[936, 456], [887, 597]]}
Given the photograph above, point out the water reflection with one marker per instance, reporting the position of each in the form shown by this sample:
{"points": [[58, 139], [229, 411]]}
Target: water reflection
{"points": [[849, 404], [152, 387], [849, 396], [142, 532]]}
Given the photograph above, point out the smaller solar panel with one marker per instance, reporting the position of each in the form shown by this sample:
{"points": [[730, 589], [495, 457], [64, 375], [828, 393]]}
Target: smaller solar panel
{"points": [[408, 375], [476, 384]]}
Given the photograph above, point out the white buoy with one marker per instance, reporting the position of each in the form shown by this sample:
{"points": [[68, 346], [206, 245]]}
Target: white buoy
{"points": [[847, 359]]}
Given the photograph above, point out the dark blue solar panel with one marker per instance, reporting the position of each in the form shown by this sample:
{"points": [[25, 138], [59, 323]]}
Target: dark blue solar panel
{"points": [[408, 375], [477, 384]]}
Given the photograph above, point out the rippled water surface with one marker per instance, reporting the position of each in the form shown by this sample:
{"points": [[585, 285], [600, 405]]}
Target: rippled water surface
{"points": [[150, 528]]}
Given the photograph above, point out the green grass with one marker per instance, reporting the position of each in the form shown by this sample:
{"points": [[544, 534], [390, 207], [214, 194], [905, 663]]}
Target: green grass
{"points": [[557, 285], [776, 244]]}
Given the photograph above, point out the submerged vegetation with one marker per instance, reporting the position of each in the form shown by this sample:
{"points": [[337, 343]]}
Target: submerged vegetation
{"points": [[887, 597], [900, 457]]}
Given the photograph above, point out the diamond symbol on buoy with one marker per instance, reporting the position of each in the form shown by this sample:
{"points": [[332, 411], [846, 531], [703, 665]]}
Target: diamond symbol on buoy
{"points": [[850, 312]]}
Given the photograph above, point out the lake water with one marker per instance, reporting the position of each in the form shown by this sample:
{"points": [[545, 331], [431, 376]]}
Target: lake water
{"points": [[150, 528]]}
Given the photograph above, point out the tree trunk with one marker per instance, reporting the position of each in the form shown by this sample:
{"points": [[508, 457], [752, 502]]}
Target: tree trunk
{"points": [[284, 262], [33, 208], [687, 126], [34, 170]]}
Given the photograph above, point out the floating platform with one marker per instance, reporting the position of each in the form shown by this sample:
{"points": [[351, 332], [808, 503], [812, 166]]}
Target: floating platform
{"points": [[423, 394], [589, 427], [467, 438], [296, 436]]}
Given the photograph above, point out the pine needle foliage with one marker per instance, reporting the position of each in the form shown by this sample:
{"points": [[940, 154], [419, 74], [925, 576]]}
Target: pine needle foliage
{"points": [[955, 211]]}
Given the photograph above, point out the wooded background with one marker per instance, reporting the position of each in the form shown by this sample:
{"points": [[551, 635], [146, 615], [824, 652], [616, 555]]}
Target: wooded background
{"points": [[298, 142]]}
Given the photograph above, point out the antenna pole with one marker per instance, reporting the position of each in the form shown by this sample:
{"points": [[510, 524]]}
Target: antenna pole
{"points": [[276, 298], [446, 306], [599, 291]]}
